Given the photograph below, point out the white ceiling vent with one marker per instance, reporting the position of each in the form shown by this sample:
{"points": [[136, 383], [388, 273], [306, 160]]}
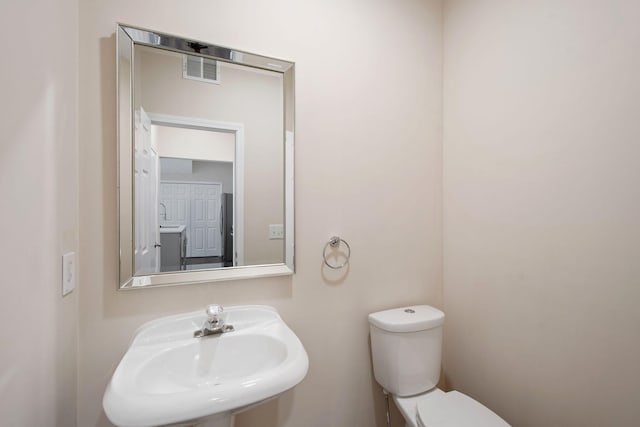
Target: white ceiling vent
{"points": [[201, 69]]}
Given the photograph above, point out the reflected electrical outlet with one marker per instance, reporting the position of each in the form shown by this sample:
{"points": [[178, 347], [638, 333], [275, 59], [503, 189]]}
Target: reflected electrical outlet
{"points": [[276, 232], [68, 273]]}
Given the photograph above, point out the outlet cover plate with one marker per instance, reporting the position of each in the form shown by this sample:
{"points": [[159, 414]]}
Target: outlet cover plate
{"points": [[276, 232], [68, 272]]}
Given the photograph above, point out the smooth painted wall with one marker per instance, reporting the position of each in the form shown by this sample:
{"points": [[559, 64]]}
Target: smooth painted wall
{"points": [[368, 93], [39, 215], [542, 209], [185, 143]]}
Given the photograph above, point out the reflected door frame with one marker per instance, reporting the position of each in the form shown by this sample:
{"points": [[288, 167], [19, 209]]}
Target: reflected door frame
{"points": [[238, 167]]}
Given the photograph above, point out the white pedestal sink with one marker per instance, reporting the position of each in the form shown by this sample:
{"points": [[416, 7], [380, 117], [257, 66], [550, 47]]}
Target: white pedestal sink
{"points": [[169, 378]]}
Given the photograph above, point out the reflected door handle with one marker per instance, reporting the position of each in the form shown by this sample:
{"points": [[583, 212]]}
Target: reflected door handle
{"points": [[221, 220], [157, 245]]}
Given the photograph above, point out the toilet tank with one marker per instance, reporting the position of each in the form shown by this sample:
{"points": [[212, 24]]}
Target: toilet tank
{"points": [[406, 348]]}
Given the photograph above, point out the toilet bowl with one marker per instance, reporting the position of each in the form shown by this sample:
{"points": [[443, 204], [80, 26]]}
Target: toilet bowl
{"points": [[437, 408], [406, 349]]}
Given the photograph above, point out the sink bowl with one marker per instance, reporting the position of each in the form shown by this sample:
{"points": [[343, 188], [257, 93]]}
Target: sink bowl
{"points": [[168, 377], [172, 228]]}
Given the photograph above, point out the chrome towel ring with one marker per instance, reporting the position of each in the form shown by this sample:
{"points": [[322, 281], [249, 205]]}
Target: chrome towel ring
{"points": [[334, 243]]}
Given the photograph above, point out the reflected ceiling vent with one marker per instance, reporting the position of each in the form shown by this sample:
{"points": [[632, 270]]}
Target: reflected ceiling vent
{"points": [[201, 69]]}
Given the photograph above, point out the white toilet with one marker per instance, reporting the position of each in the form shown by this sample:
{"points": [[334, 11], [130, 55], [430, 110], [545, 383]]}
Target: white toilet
{"points": [[406, 345]]}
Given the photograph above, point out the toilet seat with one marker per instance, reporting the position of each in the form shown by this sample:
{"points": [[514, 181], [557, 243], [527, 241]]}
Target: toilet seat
{"points": [[454, 409]]}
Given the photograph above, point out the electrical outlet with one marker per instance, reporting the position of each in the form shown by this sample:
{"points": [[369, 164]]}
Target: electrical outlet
{"points": [[276, 232], [68, 273]]}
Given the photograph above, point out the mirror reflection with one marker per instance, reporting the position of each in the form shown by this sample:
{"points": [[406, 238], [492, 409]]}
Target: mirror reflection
{"points": [[209, 164]]}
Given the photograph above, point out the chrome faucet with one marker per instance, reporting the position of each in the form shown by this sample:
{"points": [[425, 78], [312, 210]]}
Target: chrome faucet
{"points": [[164, 215], [214, 325]]}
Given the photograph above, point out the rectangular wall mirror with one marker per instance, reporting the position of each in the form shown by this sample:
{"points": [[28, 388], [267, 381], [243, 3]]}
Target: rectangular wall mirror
{"points": [[205, 161]]}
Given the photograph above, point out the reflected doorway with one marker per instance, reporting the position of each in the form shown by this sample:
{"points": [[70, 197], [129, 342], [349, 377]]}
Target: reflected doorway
{"points": [[197, 193]]}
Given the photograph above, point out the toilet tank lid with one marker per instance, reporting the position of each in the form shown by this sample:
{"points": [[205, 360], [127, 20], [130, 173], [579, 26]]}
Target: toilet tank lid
{"points": [[407, 319]]}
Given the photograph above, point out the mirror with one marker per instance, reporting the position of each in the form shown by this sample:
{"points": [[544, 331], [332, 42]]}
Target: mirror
{"points": [[205, 161]]}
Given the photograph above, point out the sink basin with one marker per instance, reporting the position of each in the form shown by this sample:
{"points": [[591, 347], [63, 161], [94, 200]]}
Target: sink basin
{"points": [[172, 228], [169, 377]]}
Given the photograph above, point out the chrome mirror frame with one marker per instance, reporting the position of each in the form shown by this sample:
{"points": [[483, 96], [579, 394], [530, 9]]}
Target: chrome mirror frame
{"points": [[126, 38]]}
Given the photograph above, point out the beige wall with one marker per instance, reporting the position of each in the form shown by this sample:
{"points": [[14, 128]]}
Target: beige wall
{"points": [[542, 209], [184, 143], [39, 215], [368, 92]]}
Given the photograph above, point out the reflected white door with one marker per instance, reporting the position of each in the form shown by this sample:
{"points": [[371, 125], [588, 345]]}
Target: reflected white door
{"points": [[147, 234], [198, 207], [174, 208], [205, 234]]}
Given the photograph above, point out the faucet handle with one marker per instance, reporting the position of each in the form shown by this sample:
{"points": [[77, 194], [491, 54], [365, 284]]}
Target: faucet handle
{"points": [[214, 324], [213, 311]]}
